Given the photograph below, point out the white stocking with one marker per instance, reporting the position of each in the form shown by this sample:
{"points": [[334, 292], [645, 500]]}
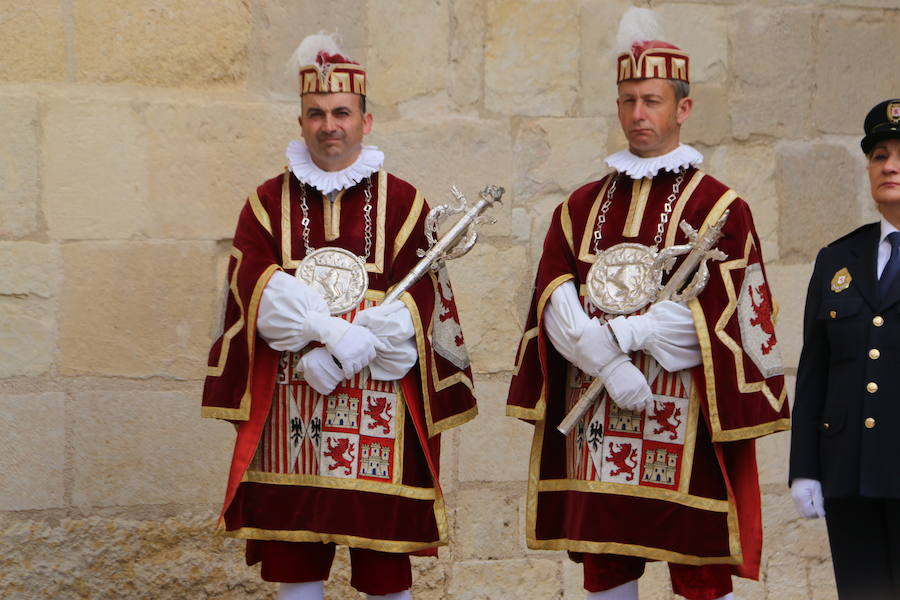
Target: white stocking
{"points": [[626, 591], [404, 595], [728, 596], [309, 590]]}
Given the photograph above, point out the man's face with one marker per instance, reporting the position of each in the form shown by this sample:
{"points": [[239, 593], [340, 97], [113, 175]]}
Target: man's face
{"points": [[333, 127], [884, 174], [651, 118]]}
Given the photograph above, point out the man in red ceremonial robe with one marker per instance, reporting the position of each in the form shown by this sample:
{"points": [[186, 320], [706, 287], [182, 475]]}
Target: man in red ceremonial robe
{"points": [[663, 466], [339, 401]]}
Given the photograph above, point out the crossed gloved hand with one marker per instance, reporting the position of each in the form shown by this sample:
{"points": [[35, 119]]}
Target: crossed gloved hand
{"points": [[598, 354], [380, 337], [348, 349]]}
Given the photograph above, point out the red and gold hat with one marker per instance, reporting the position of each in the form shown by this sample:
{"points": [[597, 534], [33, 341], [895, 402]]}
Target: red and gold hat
{"points": [[653, 59], [643, 55], [330, 70]]}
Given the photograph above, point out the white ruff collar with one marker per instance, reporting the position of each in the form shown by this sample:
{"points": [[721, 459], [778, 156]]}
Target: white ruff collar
{"points": [[637, 168], [369, 161]]}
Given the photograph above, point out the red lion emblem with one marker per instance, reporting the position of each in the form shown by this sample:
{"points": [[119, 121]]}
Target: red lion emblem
{"points": [[763, 317], [374, 408], [336, 453], [666, 414], [620, 458]]}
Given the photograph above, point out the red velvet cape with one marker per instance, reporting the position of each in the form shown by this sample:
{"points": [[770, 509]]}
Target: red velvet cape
{"points": [[717, 519], [242, 368]]}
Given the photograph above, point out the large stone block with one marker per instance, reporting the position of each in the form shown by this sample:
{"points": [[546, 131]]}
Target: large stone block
{"points": [[171, 556], [772, 454], [773, 64], [786, 533], [409, 49], [32, 451], [815, 179], [29, 268], [789, 284], [31, 41], [170, 43], [280, 25], [750, 171], [138, 309], [710, 121], [486, 281], [138, 447], [95, 169], [598, 23], [19, 160], [708, 51], [558, 155], [468, 153], [494, 447], [505, 579], [531, 59], [854, 52], [205, 160], [467, 32], [486, 524], [27, 336], [821, 580]]}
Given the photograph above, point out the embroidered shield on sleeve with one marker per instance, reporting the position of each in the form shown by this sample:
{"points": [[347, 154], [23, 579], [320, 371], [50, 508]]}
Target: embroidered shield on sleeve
{"points": [[754, 308], [447, 337]]}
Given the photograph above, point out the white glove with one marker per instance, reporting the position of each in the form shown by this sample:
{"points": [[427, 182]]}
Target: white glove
{"points": [[320, 370], [666, 332], [392, 325], [807, 496], [355, 349], [596, 348], [627, 385]]}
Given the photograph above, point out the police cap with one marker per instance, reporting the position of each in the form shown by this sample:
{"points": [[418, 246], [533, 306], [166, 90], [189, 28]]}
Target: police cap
{"points": [[882, 122]]}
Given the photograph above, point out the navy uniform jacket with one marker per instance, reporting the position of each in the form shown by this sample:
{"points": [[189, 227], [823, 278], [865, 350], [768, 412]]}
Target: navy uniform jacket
{"points": [[846, 416]]}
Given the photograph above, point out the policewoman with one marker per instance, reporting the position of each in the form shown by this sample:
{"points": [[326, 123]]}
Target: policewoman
{"points": [[846, 422]]}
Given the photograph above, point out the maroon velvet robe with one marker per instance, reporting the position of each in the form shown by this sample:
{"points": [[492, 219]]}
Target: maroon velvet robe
{"points": [[406, 513], [618, 485]]}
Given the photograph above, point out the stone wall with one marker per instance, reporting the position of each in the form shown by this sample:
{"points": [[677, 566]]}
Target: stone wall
{"points": [[132, 131]]}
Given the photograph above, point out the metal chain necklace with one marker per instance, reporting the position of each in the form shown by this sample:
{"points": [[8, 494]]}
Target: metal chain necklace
{"points": [[338, 274], [663, 216], [367, 218]]}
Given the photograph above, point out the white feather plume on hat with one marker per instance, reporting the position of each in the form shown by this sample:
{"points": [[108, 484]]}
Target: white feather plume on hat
{"points": [[637, 25], [309, 48]]}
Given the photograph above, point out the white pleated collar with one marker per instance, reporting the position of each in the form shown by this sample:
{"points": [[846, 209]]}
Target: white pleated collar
{"points": [[637, 168], [369, 161]]}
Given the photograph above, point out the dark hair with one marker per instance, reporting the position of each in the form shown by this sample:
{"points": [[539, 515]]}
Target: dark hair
{"points": [[362, 104], [682, 88]]}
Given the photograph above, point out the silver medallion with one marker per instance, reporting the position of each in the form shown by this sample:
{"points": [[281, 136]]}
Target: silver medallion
{"points": [[625, 278], [338, 274]]}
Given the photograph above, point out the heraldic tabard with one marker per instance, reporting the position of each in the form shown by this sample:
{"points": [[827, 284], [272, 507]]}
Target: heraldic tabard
{"points": [[357, 466], [659, 484]]}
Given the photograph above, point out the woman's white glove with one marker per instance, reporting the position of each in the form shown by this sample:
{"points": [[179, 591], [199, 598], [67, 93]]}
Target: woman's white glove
{"points": [[807, 497], [320, 371], [392, 325]]}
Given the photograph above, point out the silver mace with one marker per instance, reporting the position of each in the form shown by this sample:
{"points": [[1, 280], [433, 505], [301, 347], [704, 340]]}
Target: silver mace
{"points": [[702, 250], [455, 243]]}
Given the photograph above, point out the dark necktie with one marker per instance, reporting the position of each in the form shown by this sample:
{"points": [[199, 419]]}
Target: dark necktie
{"points": [[892, 267]]}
